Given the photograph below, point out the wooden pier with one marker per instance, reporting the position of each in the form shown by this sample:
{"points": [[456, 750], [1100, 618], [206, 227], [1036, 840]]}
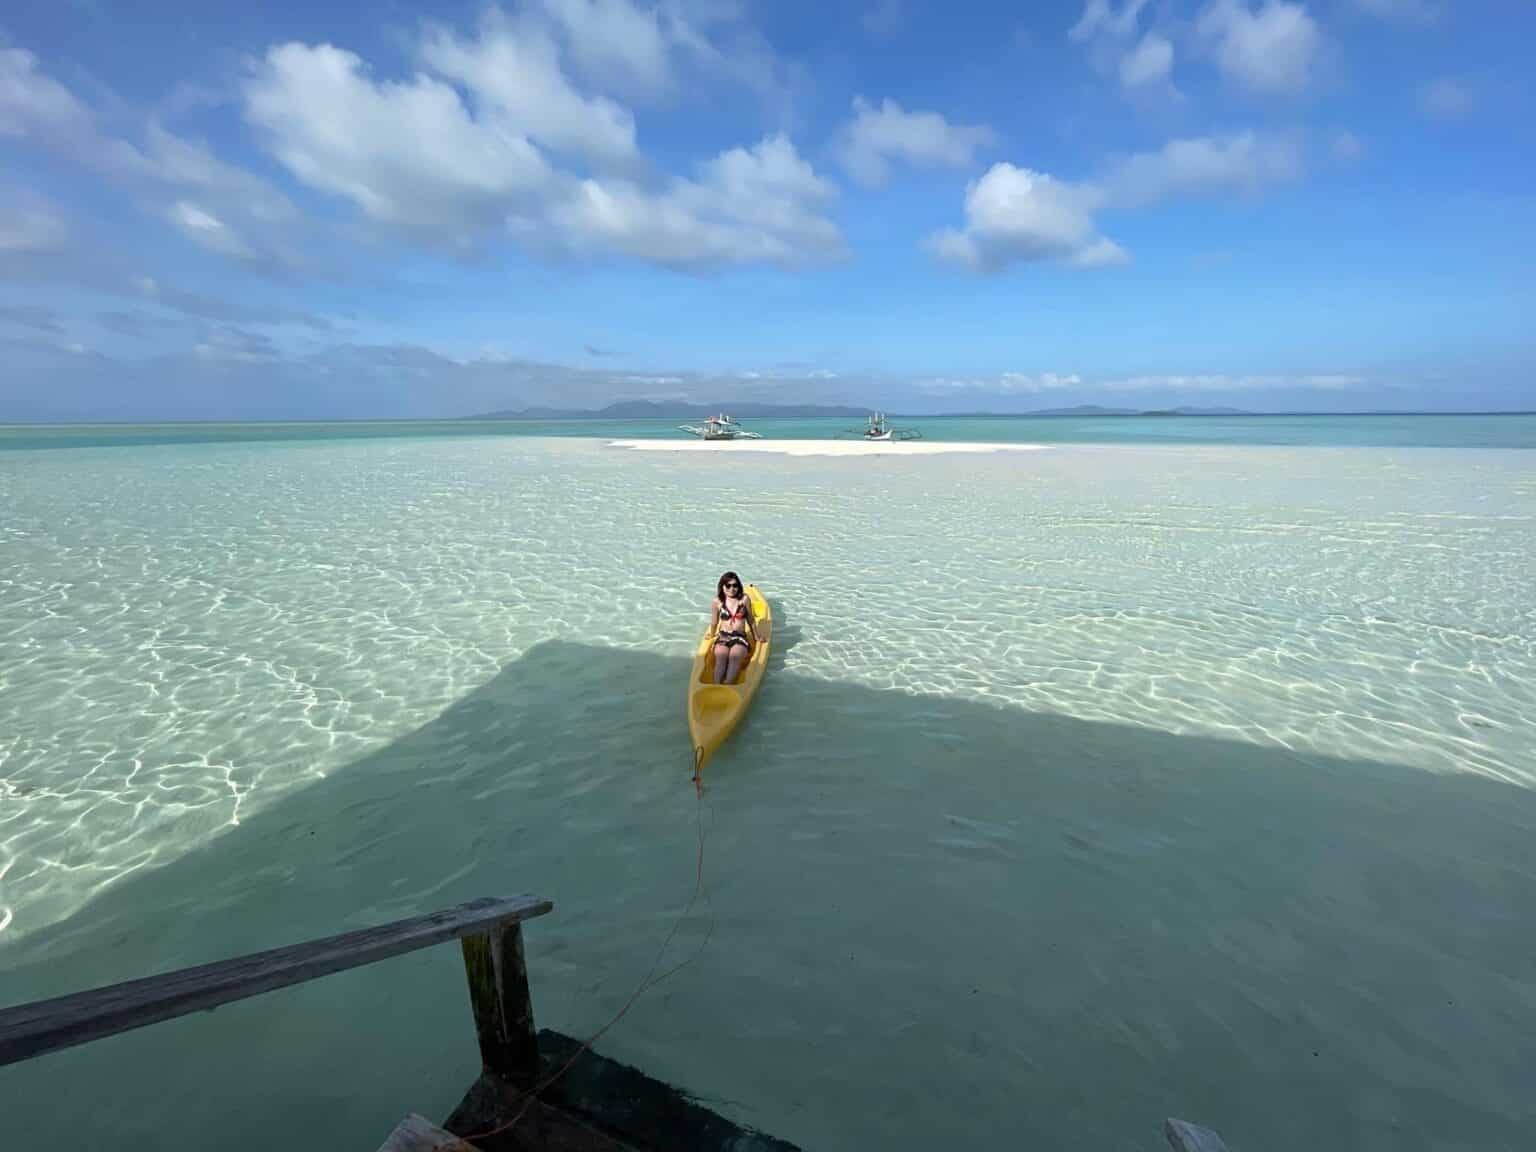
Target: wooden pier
{"points": [[537, 1091]]}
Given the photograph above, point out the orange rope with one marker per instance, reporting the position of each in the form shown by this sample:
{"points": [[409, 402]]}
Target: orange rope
{"points": [[650, 980]]}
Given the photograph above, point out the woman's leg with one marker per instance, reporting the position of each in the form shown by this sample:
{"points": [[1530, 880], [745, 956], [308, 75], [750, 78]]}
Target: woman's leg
{"points": [[722, 660], [739, 654]]}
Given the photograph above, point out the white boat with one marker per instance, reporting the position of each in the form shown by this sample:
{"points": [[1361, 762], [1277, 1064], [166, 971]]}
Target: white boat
{"points": [[880, 430], [720, 427]]}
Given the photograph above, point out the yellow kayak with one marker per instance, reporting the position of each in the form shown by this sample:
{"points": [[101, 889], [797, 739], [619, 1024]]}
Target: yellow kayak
{"points": [[714, 710]]}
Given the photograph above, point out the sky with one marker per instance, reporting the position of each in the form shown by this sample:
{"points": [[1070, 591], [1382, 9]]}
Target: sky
{"points": [[345, 210]]}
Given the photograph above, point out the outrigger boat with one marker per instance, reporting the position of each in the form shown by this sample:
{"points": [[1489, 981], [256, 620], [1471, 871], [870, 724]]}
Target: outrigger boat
{"points": [[720, 427], [880, 430]]}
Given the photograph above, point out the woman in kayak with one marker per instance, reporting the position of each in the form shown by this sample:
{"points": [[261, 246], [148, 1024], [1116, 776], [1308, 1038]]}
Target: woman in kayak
{"points": [[734, 630]]}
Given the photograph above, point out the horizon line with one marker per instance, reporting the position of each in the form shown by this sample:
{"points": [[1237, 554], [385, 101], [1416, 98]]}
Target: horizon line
{"points": [[598, 413]]}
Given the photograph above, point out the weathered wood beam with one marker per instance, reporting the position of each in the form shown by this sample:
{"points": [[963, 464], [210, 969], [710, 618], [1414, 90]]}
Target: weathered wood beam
{"points": [[29, 1030], [498, 993]]}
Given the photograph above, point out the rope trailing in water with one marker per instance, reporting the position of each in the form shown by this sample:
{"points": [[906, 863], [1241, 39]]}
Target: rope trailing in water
{"points": [[650, 981]]}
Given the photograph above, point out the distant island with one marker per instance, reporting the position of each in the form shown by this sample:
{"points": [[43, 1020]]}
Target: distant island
{"points": [[678, 410]]}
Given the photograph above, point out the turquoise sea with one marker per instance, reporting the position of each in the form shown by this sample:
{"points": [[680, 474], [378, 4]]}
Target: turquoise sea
{"points": [[1427, 430], [1182, 767]]}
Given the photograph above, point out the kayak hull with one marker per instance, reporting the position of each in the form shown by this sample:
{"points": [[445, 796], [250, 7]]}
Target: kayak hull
{"points": [[715, 710]]}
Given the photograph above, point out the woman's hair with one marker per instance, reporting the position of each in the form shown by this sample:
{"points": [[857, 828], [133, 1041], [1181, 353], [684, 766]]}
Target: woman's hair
{"points": [[724, 580]]}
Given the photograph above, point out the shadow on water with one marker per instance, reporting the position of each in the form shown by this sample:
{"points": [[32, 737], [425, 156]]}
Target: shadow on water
{"points": [[785, 634], [937, 923]]}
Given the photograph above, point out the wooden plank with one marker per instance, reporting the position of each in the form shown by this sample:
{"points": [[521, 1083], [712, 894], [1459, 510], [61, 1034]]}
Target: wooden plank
{"points": [[31, 1029], [498, 993], [1186, 1137], [418, 1134]]}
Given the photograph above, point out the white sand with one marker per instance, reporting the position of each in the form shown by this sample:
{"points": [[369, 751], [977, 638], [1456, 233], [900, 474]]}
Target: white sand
{"points": [[822, 447]]}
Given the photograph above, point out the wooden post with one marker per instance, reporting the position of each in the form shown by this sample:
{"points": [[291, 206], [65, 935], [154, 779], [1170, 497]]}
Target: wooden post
{"points": [[498, 993]]}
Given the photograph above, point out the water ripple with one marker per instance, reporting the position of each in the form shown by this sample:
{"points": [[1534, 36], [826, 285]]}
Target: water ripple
{"points": [[188, 633]]}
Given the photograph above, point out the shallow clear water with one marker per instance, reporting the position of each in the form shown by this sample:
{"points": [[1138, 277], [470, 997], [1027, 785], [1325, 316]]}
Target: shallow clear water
{"points": [[1466, 430], [1089, 786]]}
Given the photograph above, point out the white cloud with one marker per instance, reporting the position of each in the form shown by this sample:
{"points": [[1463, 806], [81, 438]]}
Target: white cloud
{"points": [[1150, 62], [1142, 62], [228, 342], [1006, 384], [1444, 99], [483, 125], [513, 71], [717, 36], [30, 228], [408, 153], [1268, 48], [31, 101], [201, 307], [416, 155], [1243, 162], [623, 46], [492, 136], [1045, 383], [1015, 215], [1102, 253], [208, 231], [34, 105], [188, 164], [749, 205], [1220, 382], [614, 41], [1100, 20], [878, 135]]}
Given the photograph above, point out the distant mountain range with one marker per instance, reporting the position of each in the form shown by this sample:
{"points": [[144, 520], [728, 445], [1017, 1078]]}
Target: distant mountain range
{"points": [[665, 410]]}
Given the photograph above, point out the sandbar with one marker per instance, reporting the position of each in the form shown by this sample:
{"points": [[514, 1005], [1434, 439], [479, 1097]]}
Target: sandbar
{"points": [[824, 447]]}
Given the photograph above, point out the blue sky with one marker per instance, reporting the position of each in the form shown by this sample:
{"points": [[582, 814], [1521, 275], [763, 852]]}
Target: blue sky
{"points": [[320, 210]]}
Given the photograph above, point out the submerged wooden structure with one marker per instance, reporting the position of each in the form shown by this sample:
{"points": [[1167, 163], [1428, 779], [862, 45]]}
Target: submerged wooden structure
{"points": [[538, 1091]]}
